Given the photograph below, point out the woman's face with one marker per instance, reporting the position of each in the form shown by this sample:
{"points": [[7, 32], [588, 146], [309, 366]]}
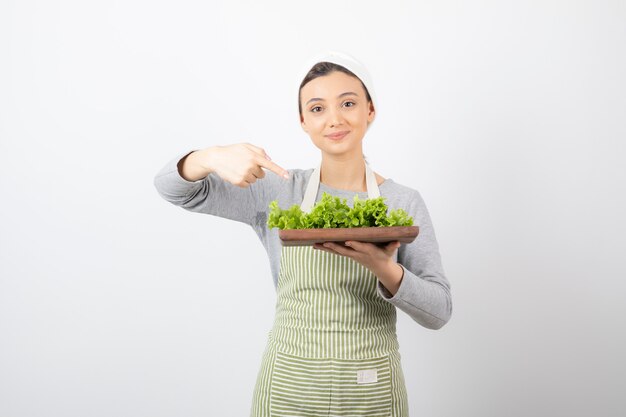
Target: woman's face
{"points": [[336, 113]]}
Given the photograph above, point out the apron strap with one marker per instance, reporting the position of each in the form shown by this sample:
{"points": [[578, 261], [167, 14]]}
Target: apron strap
{"points": [[314, 183]]}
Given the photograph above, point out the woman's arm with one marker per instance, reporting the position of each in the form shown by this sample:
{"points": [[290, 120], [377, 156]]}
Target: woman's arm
{"points": [[424, 291], [221, 181]]}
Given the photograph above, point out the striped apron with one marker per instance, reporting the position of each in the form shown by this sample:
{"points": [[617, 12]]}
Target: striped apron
{"points": [[333, 349]]}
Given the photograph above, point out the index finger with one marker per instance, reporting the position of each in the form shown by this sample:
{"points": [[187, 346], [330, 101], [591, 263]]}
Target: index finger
{"points": [[274, 168]]}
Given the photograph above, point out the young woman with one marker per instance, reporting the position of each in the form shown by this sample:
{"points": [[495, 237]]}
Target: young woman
{"points": [[333, 348]]}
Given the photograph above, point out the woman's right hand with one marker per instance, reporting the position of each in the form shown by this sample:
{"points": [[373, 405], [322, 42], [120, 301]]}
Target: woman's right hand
{"points": [[240, 164]]}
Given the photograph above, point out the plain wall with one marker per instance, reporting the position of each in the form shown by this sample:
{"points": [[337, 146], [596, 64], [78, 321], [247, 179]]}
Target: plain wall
{"points": [[509, 117]]}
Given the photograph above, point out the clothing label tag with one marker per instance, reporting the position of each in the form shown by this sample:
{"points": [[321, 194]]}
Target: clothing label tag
{"points": [[367, 376]]}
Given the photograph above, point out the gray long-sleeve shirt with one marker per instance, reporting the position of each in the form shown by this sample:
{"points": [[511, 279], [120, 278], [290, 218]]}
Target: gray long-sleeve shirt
{"points": [[424, 292]]}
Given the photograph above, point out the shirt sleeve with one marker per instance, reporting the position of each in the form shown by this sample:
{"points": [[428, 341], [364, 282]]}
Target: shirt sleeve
{"points": [[424, 292], [215, 196]]}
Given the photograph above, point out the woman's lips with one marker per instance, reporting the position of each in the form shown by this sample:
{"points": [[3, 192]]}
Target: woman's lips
{"points": [[337, 135]]}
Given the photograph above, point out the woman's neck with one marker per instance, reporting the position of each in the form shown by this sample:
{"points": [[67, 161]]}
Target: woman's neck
{"points": [[343, 173]]}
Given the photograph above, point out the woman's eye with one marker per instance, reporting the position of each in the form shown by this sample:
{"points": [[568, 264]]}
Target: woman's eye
{"points": [[316, 109], [349, 103]]}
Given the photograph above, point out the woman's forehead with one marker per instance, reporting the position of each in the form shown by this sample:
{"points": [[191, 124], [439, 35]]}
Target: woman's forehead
{"points": [[331, 86]]}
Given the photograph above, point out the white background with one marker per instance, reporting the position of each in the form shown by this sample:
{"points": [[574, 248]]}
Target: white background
{"points": [[508, 116]]}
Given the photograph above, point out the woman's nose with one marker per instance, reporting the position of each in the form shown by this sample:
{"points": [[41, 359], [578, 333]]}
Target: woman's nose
{"points": [[335, 118]]}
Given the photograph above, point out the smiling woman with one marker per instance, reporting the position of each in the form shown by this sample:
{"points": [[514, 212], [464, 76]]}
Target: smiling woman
{"points": [[333, 349], [336, 114]]}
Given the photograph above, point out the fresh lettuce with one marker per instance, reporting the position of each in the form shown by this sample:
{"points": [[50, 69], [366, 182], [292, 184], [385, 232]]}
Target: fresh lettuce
{"points": [[333, 212]]}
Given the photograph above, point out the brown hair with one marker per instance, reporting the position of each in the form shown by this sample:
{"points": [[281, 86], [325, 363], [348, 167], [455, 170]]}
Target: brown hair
{"points": [[324, 68]]}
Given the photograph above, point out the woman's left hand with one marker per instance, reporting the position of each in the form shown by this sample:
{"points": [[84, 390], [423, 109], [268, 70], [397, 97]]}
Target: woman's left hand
{"points": [[377, 259]]}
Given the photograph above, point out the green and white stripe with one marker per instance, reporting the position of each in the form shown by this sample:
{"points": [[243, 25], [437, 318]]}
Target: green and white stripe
{"points": [[327, 306], [330, 323]]}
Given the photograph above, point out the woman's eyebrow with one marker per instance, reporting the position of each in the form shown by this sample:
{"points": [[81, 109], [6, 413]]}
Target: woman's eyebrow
{"points": [[347, 93]]}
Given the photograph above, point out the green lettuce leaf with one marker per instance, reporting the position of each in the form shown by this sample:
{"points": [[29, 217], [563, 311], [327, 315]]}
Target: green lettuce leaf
{"points": [[334, 212]]}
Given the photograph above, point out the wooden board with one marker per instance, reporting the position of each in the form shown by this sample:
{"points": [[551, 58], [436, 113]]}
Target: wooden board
{"points": [[304, 237]]}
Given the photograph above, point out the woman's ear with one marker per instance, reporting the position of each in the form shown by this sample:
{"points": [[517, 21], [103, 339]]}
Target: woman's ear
{"points": [[372, 113]]}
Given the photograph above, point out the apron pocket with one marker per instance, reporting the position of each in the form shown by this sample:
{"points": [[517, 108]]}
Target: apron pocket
{"points": [[330, 387], [362, 387]]}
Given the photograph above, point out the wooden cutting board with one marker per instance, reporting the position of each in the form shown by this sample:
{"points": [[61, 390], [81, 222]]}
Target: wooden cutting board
{"points": [[304, 237]]}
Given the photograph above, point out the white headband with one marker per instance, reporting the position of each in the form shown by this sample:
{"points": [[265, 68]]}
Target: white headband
{"points": [[349, 63]]}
